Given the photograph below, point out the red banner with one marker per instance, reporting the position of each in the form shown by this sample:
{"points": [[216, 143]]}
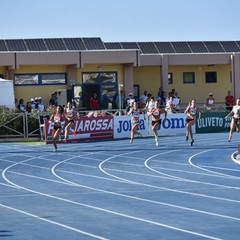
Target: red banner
{"points": [[95, 128]]}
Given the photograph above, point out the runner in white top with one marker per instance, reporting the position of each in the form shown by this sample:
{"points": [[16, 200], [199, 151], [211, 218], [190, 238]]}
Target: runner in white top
{"points": [[135, 113], [235, 122], [69, 115]]}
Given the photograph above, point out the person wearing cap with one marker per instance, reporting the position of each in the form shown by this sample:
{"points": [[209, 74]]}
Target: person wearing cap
{"points": [[33, 104], [129, 102], [130, 99], [41, 106], [210, 102]]}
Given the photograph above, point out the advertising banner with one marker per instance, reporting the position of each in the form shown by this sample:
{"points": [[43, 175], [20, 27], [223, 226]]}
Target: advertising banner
{"points": [[95, 128], [174, 124], [211, 122]]}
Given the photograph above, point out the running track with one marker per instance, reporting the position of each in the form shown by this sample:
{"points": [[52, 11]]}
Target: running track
{"points": [[116, 190]]}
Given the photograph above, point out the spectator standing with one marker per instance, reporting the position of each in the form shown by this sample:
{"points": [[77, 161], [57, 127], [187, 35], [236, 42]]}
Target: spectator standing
{"points": [[130, 99], [41, 106], [229, 101], [105, 101], [21, 107], [52, 100], [120, 100], [94, 104], [163, 99], [143, 99]]}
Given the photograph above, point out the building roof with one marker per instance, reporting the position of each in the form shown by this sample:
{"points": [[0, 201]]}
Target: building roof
{"points": [[85, 44]]}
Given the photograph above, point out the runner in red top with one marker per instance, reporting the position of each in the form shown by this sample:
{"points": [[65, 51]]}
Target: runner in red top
{"points": [[191, 112]]}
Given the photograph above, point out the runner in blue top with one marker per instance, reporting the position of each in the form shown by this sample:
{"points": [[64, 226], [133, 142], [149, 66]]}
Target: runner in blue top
{"points": [[135, 113]]}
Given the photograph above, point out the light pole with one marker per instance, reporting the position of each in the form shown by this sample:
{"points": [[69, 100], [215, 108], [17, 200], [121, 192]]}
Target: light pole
{"points": [[119, 98], [73, 84]]}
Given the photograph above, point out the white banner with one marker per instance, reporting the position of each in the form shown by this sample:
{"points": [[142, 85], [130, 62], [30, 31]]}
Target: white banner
{"points": [[174, 124]]}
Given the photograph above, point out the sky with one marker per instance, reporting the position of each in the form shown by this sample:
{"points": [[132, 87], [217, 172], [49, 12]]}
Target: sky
{"points": [[122, 20]]}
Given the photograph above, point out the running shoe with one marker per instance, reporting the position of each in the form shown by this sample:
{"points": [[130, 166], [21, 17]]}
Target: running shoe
{"points": [[131, 140], [139, 133]]}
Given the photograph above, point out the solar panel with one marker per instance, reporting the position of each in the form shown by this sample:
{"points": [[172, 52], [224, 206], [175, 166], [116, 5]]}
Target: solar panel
{"points": [[214, 47], [238, 43], [230, 46], [93, 43], [16, 45], [129, 45], [197, 47], [54, 44], [35, 45], [3, 46], [147, 47], [164, 47], [74, 44], [113, 45], [181, 47]]}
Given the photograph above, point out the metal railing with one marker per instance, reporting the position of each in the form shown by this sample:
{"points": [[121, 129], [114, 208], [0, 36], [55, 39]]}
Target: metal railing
{"points": [[28, 125]]}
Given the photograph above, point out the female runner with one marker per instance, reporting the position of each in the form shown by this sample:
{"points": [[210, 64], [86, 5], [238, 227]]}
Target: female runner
{"points": [[191, 112], [135, 113], [69, 115], [156, 120], [57, 118], [235, 122]]}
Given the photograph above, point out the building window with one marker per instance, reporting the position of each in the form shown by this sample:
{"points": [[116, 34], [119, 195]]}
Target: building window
{"points": [[170, 78], [53, 79], [41, 79], [103, 83], [188, 77], [211, 77]]}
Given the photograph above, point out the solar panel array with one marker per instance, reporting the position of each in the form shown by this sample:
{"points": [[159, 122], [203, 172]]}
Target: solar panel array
{"points": [[79, 44]]}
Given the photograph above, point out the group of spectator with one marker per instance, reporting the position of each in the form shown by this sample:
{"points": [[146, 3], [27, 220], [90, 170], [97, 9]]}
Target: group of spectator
{"points": [[36, 104], [170, 103], [32, 105], [210, 103]]}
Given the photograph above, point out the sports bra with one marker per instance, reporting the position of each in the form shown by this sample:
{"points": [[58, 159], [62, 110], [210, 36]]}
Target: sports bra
{"points": [[192, 110], [135, 113], [69, 112]]}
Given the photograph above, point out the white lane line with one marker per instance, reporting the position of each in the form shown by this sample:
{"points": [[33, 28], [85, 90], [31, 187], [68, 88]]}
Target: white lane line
{"points": [[234, 159], [204, 169], [106, 211], [53, 222]]}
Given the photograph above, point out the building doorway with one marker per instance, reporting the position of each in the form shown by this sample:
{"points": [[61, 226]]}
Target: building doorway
{"points": [[89, 90]]}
